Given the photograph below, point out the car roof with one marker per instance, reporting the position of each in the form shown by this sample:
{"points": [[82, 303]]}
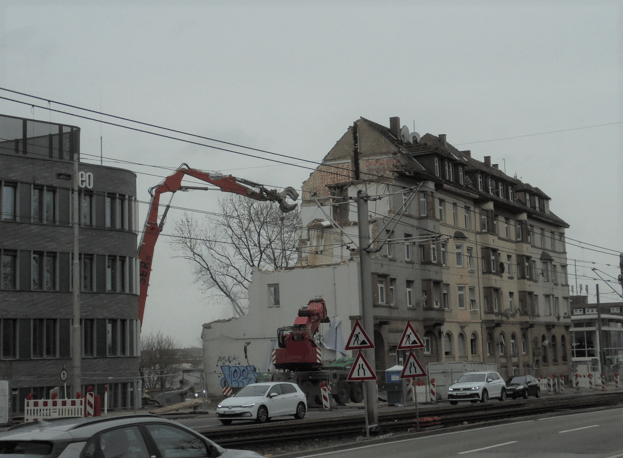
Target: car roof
{"points": [[480, 372], [75, 428]]}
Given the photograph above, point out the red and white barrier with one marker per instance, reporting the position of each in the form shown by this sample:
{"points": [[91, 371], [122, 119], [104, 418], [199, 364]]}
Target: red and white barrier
{"points": [[590, 381], [603, 382], [549, 385], [616, 380], [47, 408], [561, 386], [227, 391], [433, 392], [325, 392], [577, 381], [411, 389]]}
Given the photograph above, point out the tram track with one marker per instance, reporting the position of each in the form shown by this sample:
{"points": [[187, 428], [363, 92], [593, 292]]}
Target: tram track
{"points": [[351, 426]]}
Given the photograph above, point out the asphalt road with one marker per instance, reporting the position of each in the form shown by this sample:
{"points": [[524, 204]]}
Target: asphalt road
{"points": [[596, 434]]}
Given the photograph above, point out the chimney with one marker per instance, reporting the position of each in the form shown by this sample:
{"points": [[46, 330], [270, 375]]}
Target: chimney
{"points": [[467, 152], [488, 161], [495, 166], [442, 139], [394, 127]]}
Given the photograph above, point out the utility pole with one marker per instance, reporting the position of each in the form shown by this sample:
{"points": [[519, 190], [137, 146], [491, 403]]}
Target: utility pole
{"points": [[76, 340], [621, 266], [367, 311], [602, 352]]}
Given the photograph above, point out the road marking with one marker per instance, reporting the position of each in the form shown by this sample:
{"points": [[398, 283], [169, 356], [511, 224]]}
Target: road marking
{"points": [[616, 456], [486, 448], [578, 429]]}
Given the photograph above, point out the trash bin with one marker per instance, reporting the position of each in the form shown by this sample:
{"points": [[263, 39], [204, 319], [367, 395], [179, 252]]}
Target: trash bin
{"points": [[394, 386]]}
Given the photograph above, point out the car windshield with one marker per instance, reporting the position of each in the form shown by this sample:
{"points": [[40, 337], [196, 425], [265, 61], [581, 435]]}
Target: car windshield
{"points": [[468, 378], [25, 448], [252, 390], [516, 381]]}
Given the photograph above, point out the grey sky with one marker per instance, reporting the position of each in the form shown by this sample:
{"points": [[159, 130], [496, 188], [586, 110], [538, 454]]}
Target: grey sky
{"points": [[291, 79]]}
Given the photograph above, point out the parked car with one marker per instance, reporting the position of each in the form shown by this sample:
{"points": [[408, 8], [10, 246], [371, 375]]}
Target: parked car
{"points": [[140, 436], [523, 386], [263, 401], [477, 386]]}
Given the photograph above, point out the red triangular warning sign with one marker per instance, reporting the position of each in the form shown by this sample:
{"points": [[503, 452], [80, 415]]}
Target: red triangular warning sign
{"points": [[361, 370], [412, 368], [358, 339], [410, 339]]}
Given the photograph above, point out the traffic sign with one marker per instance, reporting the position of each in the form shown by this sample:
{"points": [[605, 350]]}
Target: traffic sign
{"points": [[410, 339], [64, 375], [361, 370], [412, 368], [358, 339]]}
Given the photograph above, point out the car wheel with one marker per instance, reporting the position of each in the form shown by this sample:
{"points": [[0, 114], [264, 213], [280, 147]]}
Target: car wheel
{"points": [[538, 393], [226, 422], [525, 394], [485, 396], [503, 395], [300, 411], [454, 403], [262, 415]]}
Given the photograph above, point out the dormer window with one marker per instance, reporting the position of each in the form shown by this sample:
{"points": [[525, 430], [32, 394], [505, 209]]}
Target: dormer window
{"points": [[511, 194], [450, 169], [436, 166], [527, 199], [501, 190], [461, 177], [536, 203], [491, 186], [480, 183], [447, 168]]}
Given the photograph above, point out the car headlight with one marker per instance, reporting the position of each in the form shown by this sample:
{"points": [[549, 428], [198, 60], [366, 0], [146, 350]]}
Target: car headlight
{"points": [[248, 406], [475, 388], [520, 387], [450, 389], [219, 406]]}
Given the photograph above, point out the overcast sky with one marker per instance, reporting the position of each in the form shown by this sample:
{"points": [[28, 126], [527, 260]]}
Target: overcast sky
{"points": [[292, 79]]}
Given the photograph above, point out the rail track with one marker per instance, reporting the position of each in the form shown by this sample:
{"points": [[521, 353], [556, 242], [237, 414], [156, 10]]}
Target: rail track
{"points": [[400, 421]]}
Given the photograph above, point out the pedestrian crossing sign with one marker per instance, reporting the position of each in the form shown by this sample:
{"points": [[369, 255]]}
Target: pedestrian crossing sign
{"points": [[358, 339], [361, 370], [412, 367], [410, 339]]}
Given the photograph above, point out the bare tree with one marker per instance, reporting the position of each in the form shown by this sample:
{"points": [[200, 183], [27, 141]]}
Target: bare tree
{"points": [[225, 249], [159, 361]]}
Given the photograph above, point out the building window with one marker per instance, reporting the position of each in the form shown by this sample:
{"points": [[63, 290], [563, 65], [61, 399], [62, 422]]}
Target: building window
{"points": [[112, 337], [50, 272], [36, 271], [436, 295], [9, 205], [9, 269], [380, 290], [9, 339], [446, 167], [392, 291], [427, 346], [548, 305], [461, 177], [472, 298], [491, 186], [433, 252], [446, 296], [563, 272], [447, 344], [459, 254], [437, 167], [44, 338], [455, 220], [554, 273], [501, 190], [473, 344], [554, 350], [389, 244], [441, 204], [468, 219], [273, 295], [408, 247], [489, 344], [524, 344], [470, 258], [518, 234], [37, 204], [87, 273], [511, 297], [409, 293], [483, 220], [86, 209], [563, 348], [461, 342], [502, 345], [496, 301], [480, 183], [461, 290], [423, 210], [507, 225], [511, 194], [88, 337], [513, 345], [545, 270], [111, 273]]}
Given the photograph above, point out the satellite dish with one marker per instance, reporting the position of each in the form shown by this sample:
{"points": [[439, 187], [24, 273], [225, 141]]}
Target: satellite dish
{"points": [[545, 343], [404, 134], [501, 267], [414, 138]]}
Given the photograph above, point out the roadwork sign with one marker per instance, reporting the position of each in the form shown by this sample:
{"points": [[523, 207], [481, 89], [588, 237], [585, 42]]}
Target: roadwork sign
{"points": [[361, 370], [412, 368], [358, 339], [410, 339]]}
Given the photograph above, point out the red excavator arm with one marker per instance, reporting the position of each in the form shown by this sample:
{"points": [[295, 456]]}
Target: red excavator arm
{"points": [[172, 184]]}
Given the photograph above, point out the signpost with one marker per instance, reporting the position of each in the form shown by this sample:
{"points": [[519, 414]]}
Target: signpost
{"points": [[361, 370], [64, 376], [412, 368]]}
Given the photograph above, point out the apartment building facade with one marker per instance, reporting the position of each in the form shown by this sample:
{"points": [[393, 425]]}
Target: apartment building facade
{"points": [[36, 248]]}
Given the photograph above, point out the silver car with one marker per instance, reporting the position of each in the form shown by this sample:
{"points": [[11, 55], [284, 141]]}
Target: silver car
{"points": [[263, 401], [141, 436], [477, 386]]}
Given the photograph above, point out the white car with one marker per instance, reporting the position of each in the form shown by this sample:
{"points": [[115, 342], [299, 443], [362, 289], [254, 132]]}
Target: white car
{"points": [[263, 401], [477, 386]]}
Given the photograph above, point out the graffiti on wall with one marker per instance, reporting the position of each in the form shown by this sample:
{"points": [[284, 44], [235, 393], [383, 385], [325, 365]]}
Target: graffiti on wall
{"points": [[234, 374]]}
